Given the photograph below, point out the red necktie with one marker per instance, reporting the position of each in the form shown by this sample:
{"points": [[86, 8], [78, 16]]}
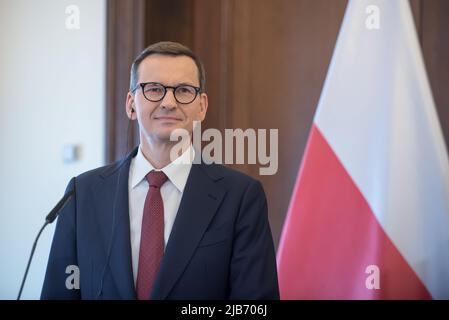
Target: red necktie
{"points": [[152, 236]]}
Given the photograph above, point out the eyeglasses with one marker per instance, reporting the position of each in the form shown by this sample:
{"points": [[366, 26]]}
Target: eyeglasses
{"points": [[153, 91]]}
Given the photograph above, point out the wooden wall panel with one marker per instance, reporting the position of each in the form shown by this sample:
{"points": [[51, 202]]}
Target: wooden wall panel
{"points": [[212, 44], [280, 58], [169, 20], [435, 44], [125, 38]]}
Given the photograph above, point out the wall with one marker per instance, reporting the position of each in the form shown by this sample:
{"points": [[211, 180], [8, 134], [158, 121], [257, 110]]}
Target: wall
{"points": [[52, 87]]}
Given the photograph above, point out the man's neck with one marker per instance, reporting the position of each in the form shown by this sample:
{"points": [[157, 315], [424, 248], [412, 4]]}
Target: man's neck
{"points": [[159, 153]]}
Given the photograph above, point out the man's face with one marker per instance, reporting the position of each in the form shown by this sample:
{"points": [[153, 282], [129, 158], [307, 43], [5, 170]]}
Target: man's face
{"points": [[158, 119]]}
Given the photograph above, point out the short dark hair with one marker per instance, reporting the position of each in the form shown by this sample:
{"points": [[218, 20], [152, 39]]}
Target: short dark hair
{"points": [[167, 48]]}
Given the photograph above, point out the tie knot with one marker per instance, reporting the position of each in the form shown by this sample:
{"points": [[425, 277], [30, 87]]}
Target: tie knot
{"points": [[156, 178]]}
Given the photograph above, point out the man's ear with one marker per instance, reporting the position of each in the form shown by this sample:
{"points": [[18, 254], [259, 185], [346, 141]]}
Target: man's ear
{"points": [[203, 106], [130, 106]]}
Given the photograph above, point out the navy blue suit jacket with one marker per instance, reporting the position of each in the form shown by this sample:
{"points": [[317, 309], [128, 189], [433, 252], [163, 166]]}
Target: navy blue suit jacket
{"points": [[220, 246]]}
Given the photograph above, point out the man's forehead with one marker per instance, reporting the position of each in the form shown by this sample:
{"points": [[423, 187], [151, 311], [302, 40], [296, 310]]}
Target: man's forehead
{"points": [[168, 68]]}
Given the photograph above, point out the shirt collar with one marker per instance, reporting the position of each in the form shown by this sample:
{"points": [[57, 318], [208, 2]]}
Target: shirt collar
{"points": [[176, 171]]}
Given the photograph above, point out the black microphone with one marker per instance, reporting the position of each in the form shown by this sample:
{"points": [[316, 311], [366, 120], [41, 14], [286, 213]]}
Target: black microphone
{"points": [[59, 206], [48, 219]]}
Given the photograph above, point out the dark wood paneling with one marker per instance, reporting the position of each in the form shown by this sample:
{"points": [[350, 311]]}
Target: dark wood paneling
{"points": [[435, 44], [280, 58], [125, 31], [169, 20], [212, 43]]}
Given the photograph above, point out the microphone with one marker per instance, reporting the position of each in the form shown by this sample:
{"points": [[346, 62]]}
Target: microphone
{"points": [[59, 206], [48, 219]]}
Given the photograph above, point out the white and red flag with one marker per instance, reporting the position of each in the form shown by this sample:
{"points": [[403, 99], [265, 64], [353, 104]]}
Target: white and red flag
{"points": [[369, 215]]}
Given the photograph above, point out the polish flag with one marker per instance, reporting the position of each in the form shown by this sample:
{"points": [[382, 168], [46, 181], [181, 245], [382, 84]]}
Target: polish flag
{"points": [[369, 215]]}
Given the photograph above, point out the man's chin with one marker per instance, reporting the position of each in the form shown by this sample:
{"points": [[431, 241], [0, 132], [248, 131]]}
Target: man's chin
{"points": [[171, 135]]}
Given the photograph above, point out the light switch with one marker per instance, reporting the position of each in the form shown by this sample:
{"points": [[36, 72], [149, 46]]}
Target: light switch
{"points": [[70, 153]]}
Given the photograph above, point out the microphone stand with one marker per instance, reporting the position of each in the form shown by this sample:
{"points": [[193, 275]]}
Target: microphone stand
{"points": [[48, 219], [31, 258]]}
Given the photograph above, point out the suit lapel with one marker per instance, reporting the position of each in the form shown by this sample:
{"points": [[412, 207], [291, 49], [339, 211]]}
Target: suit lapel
{"points": [[198, 206], [120, 260]]}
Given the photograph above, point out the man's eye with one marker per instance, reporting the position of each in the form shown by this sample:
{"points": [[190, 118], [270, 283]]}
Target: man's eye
{"points": [[184, 90], [154, 89]]}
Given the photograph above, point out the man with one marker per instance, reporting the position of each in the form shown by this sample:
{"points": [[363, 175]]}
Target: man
{"points": [[153, 227]]}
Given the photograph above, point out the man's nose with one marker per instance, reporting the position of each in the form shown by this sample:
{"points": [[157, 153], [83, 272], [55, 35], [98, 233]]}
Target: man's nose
{"points": [[169, 102]]}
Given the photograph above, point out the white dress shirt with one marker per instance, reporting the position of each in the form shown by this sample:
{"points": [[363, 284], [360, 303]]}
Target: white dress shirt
{"points": [[171, 192]]}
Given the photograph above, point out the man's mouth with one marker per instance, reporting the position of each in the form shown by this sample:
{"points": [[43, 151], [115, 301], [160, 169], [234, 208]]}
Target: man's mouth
{"points": [[167, 118]]}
